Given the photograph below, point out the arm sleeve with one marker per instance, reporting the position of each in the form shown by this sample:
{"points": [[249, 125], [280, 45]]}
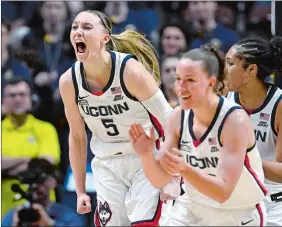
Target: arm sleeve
{"points": [[158, 106]]}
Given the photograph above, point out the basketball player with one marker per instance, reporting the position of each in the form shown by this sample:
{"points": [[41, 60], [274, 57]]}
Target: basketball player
{"points": [[248, 63], [221, 168], [110, 90]]}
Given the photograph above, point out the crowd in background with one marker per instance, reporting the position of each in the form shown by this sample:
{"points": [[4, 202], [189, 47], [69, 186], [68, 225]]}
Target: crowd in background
{"points": [[36, 50]]}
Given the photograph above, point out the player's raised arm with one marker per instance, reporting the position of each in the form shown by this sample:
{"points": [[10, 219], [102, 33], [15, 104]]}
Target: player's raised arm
{"points": [[77, 136]]}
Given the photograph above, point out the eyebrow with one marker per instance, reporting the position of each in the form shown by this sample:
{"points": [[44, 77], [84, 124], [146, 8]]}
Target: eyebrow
{"points": [[187, 75], [83, 23]]}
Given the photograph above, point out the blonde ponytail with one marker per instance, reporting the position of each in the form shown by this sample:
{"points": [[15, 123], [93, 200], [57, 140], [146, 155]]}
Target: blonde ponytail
{"points": [[132, 42]]}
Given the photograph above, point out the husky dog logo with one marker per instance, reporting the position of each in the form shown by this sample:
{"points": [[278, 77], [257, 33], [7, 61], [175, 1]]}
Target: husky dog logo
{"points": [[105, 213]]}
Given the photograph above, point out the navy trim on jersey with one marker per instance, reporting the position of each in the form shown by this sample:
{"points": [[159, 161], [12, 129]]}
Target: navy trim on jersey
{"points": [[266, 101], [252, 147], [112, 75], [196, 141], [74, 82], [181, 127], [272, 123], [222, 123], [126, 92]]}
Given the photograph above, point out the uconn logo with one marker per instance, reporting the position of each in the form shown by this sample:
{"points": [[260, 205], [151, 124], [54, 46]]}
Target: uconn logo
{"points": [[103, 110], [202, 163]]}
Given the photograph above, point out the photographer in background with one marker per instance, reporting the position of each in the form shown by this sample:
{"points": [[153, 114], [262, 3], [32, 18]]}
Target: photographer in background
{"points": [[23, 137], [49, 213]]}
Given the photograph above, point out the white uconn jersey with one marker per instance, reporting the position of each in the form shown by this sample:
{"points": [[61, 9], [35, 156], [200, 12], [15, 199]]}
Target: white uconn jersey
{"points": [[204, 154], [110, 112], [263, 120]]}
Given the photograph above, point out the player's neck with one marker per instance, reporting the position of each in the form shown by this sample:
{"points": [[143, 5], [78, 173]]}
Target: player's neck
{"points": [[205, 112], [99, 66], [252, 95]]}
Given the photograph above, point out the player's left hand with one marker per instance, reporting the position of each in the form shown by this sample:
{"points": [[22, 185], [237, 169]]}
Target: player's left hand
{"points": [[173, 162], [141, 142]]}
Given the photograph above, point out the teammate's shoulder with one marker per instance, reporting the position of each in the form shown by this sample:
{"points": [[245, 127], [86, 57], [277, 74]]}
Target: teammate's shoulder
{"points": [[134, 71], [238, 116], [279, 105]]}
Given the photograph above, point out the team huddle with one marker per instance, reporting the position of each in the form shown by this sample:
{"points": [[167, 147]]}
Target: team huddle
{"points": [[224, 149]]}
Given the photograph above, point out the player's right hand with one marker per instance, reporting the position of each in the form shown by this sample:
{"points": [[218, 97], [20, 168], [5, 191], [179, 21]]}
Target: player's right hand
{"points": [[172, 190], [83, 204], [141, 142]]}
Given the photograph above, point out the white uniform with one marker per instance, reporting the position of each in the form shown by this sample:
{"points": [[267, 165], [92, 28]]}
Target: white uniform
{"points": [[245, 206], [263, 121], [125, 196]]}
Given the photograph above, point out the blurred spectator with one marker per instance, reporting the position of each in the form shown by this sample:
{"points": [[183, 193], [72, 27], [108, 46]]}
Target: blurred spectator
{"points": [[10, 66], [278, 81], [142, 19], [44, 109], [226, 14], [174, 39], [23, 137], [259, 18], [201, 14], [168, 70], [49, 36], [171, 10], [50, 213]]}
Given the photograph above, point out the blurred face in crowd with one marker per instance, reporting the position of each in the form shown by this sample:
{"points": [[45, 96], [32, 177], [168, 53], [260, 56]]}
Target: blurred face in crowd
{"points": [[202, 10], [53, 13], [5, 37], [237, 75], [88, 36], [192, 83], [173, 41], [17, 98], [41, 191], [168, 70], [225, 15]]}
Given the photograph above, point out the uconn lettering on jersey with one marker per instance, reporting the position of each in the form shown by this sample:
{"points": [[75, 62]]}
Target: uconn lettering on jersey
{"points": [[106, 110], [202, 163], [260, 136]]}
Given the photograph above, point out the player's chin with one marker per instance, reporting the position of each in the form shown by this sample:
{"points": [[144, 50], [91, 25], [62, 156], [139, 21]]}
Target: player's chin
{"points": [[186, 104]]}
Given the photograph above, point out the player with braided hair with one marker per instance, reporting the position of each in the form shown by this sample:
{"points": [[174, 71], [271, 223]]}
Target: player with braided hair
{"points": [[222, 169], [248, 63]]}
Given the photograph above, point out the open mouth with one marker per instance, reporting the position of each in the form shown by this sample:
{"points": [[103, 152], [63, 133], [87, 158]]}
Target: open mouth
{"points": [[80, 47], [185, 97]]}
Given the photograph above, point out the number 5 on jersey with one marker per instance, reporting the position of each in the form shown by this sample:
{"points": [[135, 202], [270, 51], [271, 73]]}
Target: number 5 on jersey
{"points": [[109, 124]]}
